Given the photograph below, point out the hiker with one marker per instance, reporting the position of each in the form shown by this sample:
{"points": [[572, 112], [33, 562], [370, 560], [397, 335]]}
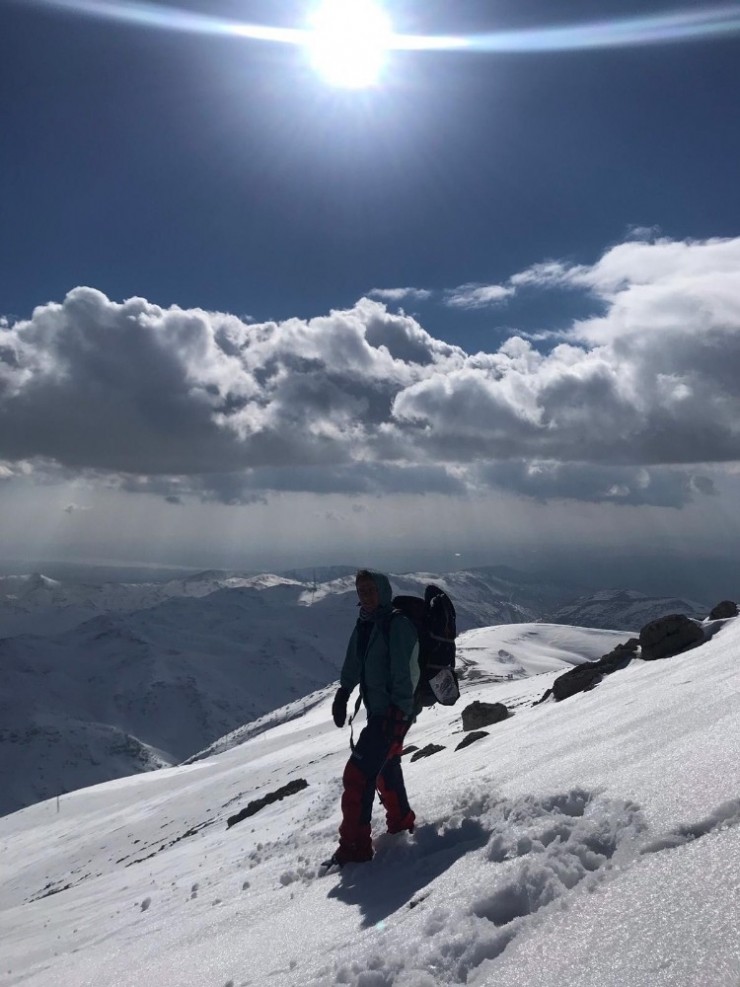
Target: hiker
{"points": [[382, 658]]}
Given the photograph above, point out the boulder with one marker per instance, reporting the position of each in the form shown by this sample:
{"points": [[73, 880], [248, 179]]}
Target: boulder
{"points": [[724, 610], [578, 679], [478, 715], [668, 636], [620, 657]]}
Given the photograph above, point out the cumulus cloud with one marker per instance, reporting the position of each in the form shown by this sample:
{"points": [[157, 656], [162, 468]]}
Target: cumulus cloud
{"points": [[188, 403], [652, 381]]}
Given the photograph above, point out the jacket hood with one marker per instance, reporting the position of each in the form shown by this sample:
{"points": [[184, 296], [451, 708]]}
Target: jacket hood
{"points": [[385, 593]]}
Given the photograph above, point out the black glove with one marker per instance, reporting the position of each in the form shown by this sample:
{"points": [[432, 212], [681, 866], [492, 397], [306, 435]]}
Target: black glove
{"points": [[339, 706]]}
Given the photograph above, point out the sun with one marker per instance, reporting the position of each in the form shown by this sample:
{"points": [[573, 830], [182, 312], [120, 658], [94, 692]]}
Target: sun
{"points": [[348, 42]]}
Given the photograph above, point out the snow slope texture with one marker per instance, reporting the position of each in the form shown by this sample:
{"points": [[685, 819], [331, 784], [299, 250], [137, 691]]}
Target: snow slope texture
{"points": [[592, 841]]}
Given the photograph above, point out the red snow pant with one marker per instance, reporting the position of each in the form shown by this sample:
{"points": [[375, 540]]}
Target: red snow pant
{"points": [[375, 764]]}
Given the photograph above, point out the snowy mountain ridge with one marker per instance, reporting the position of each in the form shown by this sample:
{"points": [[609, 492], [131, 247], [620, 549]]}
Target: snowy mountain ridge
{"points": [[35, 604], [132, 690], [623, 608], [171, 678], [592, 841]]}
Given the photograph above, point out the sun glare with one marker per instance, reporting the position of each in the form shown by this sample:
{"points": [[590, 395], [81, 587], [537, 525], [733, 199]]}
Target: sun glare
{"points": [[349, 42]]}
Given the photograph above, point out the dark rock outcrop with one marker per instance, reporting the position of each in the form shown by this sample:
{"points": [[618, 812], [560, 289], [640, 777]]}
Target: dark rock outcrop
{"points": [[578, 679], [589, 674], [723, 610], [618, 658], [427, 751], [668, 636], [478, 715], [471, 739], [290, 789]]}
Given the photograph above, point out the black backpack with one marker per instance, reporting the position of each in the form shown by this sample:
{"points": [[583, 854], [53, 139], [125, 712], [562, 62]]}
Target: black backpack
{"points": [[434, 618]]}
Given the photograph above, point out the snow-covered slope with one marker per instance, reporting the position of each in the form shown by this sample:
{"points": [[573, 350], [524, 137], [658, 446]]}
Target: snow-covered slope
{"points": [[129, 692], [493, 654], [622, 610], [594, 841], [156, 672], [488, 654]]}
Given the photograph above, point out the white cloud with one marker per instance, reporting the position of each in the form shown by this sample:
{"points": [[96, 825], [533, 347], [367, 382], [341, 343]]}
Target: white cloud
{"points": [[477, 295], [655, 380], [546, 274], [643, 232], [400, 294], [181, 403]]}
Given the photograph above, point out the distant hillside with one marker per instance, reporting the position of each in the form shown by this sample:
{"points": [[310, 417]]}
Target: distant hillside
{"points": [[127, 692], [122, 678], [35, 604], [621, 610]]}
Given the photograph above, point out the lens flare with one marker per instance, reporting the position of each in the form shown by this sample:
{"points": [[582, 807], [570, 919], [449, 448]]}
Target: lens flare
{"points": [[349, 42], [670, 26]]}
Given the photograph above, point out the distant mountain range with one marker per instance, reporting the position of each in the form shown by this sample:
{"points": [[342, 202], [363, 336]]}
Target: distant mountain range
{"points": [[621, 609], [104, 680]]}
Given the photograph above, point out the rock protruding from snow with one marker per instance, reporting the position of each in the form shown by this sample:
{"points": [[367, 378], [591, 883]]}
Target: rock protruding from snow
{"points": [[471, 739], [619, 657], [585, 677], [580, 679], [427, 751], [723, 610], [668, 636], [297, 785], [478, 715]]}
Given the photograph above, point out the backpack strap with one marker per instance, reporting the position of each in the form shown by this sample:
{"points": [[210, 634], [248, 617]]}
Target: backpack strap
{"points": [[385, 628]]}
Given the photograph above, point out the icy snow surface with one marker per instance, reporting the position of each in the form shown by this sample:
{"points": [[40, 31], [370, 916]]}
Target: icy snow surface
{"points": [[589, 842]]}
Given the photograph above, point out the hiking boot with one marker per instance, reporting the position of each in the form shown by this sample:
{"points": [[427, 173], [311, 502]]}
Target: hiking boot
{"points": [[352, 853], [404, 825]]}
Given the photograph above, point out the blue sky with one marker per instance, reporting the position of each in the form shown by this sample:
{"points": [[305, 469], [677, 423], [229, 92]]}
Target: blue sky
{"points": [[503, 190], [222, 173]]}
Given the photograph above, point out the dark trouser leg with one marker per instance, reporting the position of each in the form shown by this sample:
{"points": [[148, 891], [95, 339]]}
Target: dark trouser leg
{"points": [[362, 769], [392, 791]]}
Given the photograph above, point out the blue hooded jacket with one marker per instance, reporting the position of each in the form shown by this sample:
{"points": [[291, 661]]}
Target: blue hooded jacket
{"points": [[387, 670]]}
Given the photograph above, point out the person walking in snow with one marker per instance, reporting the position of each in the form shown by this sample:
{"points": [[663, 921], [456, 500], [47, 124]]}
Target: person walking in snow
{"points": [[382, 658]]}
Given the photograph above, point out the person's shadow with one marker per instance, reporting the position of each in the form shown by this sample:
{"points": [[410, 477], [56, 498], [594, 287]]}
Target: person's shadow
{"points": [[403, 866]]}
